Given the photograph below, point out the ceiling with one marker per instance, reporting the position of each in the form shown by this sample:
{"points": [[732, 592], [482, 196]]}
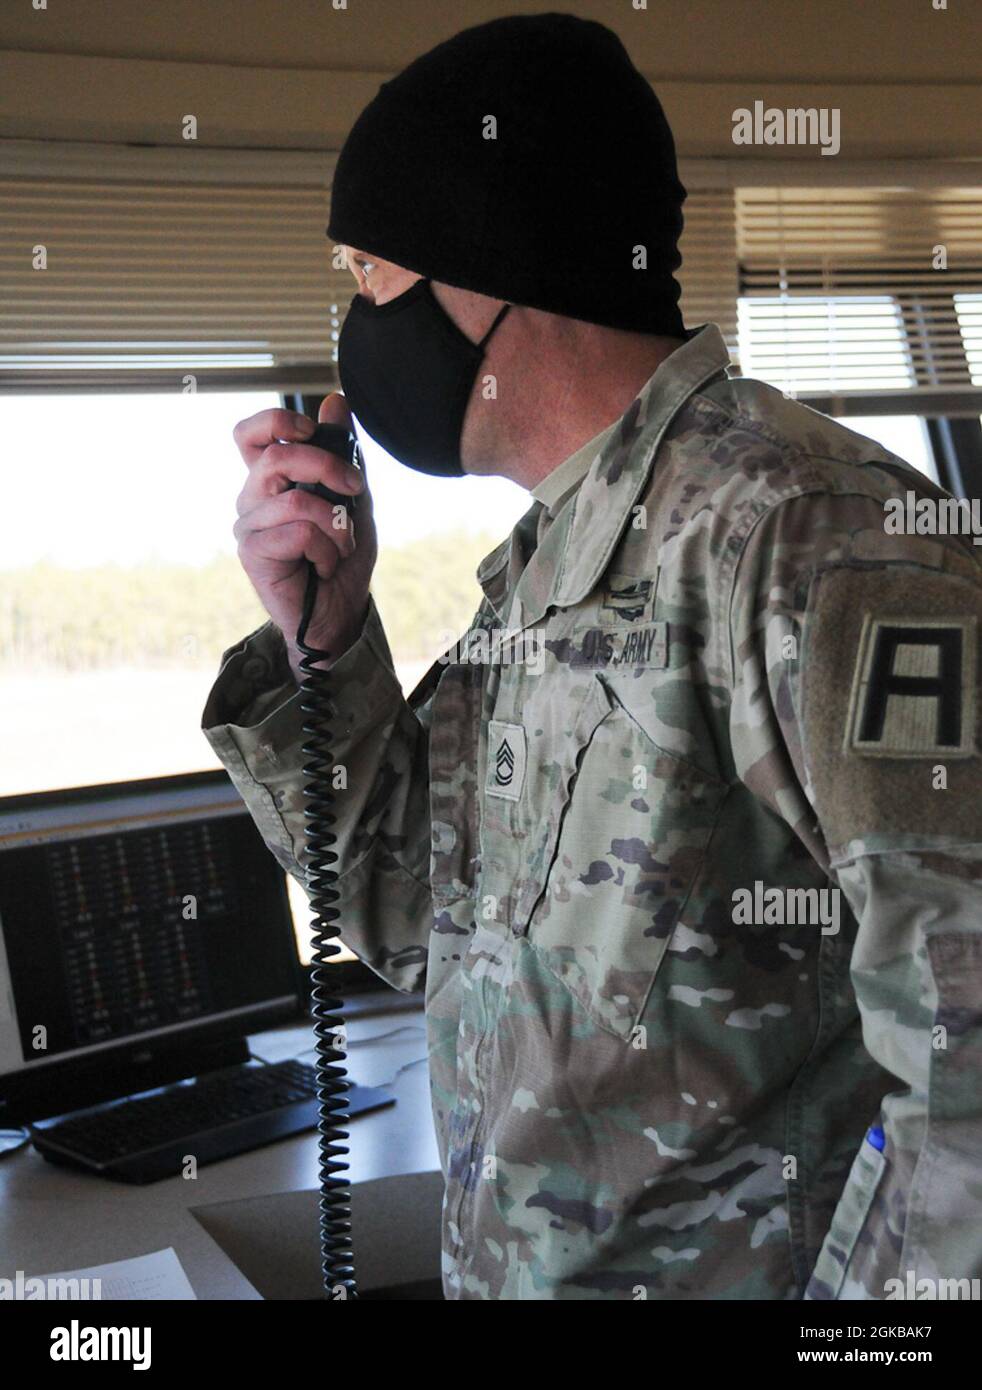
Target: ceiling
{"points": [[293, 74]]}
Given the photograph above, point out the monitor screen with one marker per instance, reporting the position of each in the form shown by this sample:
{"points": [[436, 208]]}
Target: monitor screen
{"points": [[135, 918]]}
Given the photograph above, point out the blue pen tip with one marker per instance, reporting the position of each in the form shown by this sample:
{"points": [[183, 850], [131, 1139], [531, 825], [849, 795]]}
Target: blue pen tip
{"points": [[876, 1137]]}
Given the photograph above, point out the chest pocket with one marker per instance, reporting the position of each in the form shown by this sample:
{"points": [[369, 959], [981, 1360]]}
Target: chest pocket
{"points": [[604, 843], [455, 724]]}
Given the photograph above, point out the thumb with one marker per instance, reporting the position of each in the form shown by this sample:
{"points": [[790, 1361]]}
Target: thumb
{"points": [[334, 411]]}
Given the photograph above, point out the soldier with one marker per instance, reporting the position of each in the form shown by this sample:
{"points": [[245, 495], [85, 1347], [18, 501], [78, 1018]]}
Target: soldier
{"points": [[695, 896]]}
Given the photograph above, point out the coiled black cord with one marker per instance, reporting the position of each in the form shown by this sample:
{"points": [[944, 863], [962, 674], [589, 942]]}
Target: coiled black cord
{"points": [[337, 1257]]}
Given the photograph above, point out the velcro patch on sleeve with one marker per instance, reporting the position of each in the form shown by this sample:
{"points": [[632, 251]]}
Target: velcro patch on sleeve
{"points": [[887, 700], [913, 693]]}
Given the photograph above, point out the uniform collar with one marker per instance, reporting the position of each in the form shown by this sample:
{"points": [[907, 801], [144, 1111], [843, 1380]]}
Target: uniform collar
{"points": [[579, 544], [556, 486]]}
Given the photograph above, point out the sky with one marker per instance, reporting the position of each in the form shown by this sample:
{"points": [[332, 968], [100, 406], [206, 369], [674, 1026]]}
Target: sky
{"points": [[86, 479]]}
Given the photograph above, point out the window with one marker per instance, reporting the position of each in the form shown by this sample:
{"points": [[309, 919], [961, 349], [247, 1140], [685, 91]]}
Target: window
{"points": [[861, 302], [811, 343], [968, 308], [119, 586]]}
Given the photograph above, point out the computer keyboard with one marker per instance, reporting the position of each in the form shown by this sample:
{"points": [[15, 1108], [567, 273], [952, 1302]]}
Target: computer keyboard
{"points": [[227, 1112]]}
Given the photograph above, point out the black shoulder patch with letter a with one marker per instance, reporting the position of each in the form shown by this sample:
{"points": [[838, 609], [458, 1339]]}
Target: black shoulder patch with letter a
{"points": [[914, 689]]}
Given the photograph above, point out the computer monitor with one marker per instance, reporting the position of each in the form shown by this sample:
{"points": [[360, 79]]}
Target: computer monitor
{"points": [[145, 929]]}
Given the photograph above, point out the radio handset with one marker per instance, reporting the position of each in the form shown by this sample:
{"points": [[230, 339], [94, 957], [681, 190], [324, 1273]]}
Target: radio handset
{"points": [[335, 439], [337, 1257]]}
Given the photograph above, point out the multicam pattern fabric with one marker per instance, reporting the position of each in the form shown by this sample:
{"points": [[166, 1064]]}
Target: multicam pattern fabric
{"points": [[639, 1093]]}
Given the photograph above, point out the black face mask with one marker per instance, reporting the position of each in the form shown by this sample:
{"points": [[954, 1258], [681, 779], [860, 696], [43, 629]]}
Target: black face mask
{"points": [[407, 372]]}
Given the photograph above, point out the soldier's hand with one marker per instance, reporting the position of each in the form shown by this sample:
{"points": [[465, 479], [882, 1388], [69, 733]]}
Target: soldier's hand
{"points": [[279, 530]]}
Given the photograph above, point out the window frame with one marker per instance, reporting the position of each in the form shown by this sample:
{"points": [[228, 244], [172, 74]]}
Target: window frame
{"points": [[954, 426]]}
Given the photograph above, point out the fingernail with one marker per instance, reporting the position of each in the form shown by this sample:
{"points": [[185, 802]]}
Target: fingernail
{"points": [[305, 424]]}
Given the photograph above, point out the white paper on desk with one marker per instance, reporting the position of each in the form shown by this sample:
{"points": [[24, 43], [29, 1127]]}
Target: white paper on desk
{"points": [[159, 1275]]}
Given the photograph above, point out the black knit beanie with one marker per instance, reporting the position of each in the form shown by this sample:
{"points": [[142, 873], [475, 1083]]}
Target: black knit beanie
{"points": [[574, 207]]}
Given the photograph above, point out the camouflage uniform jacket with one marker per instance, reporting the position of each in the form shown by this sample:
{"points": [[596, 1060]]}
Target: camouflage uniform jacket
{"points": [[686, 843]]}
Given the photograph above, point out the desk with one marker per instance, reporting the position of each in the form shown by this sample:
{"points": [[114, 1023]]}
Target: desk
{"points": [[247, 1227]]}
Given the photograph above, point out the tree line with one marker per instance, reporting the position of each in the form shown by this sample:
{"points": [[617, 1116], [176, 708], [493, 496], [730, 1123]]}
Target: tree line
{"points": [[168, 615]]}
